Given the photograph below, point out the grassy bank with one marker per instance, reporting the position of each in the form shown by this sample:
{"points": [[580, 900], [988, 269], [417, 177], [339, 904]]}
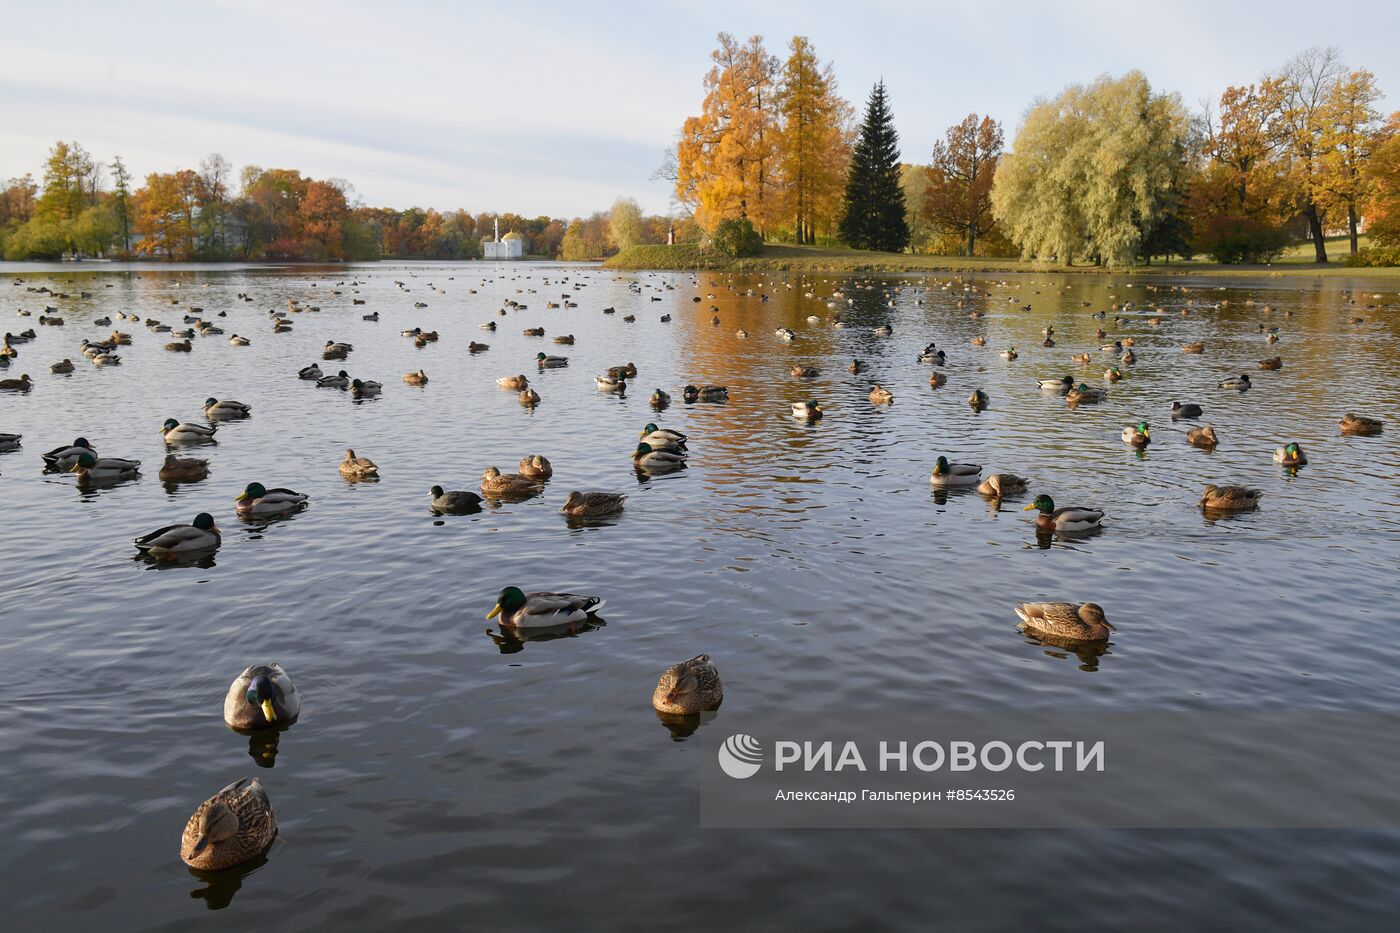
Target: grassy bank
{"points": [[779, 258]]}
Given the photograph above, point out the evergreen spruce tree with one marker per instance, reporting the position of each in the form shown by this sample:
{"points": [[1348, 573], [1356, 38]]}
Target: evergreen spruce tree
{"points": [[874, 198]]}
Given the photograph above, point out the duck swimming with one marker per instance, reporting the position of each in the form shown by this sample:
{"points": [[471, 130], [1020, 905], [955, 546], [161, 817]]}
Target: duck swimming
{"points": [[520, 610], [106, 469], [999, 485], [261, 697], [1203, 438], [591, 504], [183, 470], [1137, 435], [1188, 410], [954, 474], [353, 467], [176, 432], [257, 500], [1069, 518], [1291, 455], [1229, 498], [687, 688], [174, 541], [1071, 621], [235, 825], [225, 410], [456, 501], [63, 458]]}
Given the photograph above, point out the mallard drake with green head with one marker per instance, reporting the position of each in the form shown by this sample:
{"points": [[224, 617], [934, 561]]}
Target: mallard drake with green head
{"points": [[1069, 621], [662, 438], [545, 361], [1138, 435], [954, 474], [520, 610], [810, 410], [365, 388], [978, 400], [1060, 385], [175, 541], [660, 400], [688, 688], [262, 697], [1291, 455], [1082, 395], [257, 500], [225, 409], [63, 458], [93, 469], [187, 432], [1069, 518], [646, 457], [235, 825]]}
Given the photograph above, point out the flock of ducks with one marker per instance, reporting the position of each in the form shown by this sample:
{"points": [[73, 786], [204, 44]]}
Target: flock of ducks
{"points": [[238, 823]]}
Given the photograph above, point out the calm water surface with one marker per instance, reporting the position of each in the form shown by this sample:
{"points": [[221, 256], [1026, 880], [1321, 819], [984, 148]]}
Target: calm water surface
{"points": [[441, 773]]}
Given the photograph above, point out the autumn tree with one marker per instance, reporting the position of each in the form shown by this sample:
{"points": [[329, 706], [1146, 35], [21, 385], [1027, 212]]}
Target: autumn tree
{"points": [[1306, 83], [1087, 170], [726, 159], [165, 214], [321, 212], [814, 141], [624, 224], [1349, 131], [1382, 178], [1244, 138], [874, 211], [958, 195]]}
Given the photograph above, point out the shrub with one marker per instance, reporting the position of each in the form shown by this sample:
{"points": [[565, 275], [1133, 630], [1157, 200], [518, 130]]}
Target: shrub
{"points": [[1375, 256], [1232, 240], [736, 237]]}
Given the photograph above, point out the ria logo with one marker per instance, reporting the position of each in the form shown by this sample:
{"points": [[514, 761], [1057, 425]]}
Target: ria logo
{"points": [[741, 756]]}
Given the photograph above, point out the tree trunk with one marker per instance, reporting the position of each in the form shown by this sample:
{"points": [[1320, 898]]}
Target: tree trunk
{"points": [[1315, 226], [1351, 225], [971, 240]]}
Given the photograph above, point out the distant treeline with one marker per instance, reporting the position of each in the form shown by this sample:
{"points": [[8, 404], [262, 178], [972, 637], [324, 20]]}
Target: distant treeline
{"points": [[85, 208]]}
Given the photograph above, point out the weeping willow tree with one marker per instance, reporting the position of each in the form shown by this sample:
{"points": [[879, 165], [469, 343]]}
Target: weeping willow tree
{"points": [[1089, 171]]}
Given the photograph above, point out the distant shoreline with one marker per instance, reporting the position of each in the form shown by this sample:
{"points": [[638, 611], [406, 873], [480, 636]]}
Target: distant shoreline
{"points": [[691, 258]]}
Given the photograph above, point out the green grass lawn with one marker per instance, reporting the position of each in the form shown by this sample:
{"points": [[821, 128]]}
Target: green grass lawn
{"points": [[788, 258]]}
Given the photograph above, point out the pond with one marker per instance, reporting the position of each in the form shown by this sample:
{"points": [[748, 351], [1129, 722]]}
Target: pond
{"points": [[443, 769]]}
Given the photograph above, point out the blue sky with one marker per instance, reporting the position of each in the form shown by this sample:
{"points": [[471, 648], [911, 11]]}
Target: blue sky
{"points": [[557, 108]]}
